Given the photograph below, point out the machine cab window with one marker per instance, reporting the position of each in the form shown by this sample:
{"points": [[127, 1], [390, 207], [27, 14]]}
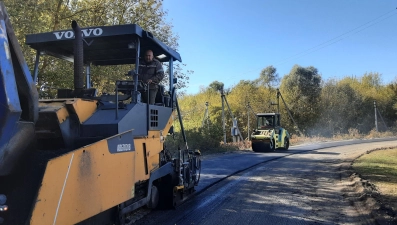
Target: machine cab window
{"points": [[268, 120]]}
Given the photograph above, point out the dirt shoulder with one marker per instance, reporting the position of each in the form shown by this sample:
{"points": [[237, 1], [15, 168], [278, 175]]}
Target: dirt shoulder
{"points": [[365, 196]]}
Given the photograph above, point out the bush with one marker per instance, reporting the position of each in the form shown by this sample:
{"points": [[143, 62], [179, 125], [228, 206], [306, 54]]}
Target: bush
{"points": [[375, 134], [204, 138]]}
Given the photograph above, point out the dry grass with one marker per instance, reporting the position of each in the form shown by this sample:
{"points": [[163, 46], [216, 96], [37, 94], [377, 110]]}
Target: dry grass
{"points": [[380, 168], [353, 134], [296, 140]]}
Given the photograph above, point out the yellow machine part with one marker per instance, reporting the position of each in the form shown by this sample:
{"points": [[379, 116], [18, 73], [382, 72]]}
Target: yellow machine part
{"points": [[154, 145], [90, 180], [280, 141], [82, 183], [84, 108], [55, 106], [279, 138]]}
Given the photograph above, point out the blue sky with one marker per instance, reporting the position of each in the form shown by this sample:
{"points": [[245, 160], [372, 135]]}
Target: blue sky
{"points": [[233, 40]]}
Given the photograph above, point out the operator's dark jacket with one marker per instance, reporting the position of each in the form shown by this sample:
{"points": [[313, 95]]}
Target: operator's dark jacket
{"points": [[153, 70]]}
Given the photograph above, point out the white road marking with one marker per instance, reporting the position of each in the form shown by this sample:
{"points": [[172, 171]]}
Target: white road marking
{"points": [[63, 188]]}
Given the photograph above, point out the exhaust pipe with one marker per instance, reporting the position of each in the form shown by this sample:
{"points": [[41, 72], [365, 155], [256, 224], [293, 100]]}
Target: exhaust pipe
{"points": [[78, 58]]}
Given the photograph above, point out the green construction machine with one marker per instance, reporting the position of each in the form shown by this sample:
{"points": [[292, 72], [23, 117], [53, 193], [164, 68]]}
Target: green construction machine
{"points": [[269, 134]]}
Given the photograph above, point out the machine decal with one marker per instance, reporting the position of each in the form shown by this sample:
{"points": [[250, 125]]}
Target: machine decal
{"points": [[121, 143], [123, 147]]}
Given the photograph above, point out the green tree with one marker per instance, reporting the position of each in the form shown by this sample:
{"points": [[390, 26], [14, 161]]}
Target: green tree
{"points": [[370, 87], [349, 104], [268, 77], [338, 109], [301, 89], [216, 86]]}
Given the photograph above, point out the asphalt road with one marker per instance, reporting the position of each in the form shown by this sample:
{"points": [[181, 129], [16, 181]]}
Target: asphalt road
{"points": [[300, 186]]}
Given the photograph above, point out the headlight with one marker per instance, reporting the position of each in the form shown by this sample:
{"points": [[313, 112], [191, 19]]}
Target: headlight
{"points": [[3, 208]]}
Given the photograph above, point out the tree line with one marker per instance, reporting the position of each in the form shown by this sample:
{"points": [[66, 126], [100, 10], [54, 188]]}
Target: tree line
{"points": [[319, 107]]}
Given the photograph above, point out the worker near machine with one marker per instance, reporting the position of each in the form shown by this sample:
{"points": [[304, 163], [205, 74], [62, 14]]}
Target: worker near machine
{"points": [[150, 72]]}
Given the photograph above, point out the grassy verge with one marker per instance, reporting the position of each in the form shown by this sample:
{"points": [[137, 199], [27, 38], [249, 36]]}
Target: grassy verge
{"points": [[380, 168]]}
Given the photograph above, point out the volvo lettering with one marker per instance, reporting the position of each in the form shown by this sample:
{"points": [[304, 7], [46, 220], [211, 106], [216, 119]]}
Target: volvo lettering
{"points": [[86, 33]]}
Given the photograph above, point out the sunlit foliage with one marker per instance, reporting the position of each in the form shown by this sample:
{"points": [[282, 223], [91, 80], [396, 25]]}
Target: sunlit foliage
{"points": [[319, 107]]}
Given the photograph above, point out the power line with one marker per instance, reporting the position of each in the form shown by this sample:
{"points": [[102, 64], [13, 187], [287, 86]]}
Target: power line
{"points": [[342, 36], [331, 41]]}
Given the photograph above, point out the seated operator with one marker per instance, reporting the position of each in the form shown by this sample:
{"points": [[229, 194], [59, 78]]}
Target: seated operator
{"points": [[150, 72], [270, 122], [265, 123]]}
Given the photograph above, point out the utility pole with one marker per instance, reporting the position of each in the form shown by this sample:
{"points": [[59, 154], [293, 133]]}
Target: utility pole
{"points": [[235, 126], [248, 115], [234, 119], [376, 118], [278, 101], [289, 113], [206, 117], [223, 117], [380, 115], [253, 112]]}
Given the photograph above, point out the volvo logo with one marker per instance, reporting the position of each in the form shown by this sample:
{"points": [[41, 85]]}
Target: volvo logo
{"points": [[85, 33]]}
